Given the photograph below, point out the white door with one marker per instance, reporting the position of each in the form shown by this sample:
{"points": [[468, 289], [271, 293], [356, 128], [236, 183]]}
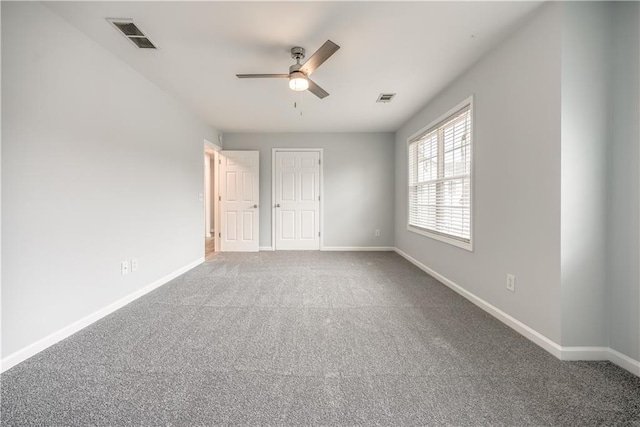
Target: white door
{"points": [[239, 201], [297, 200]]}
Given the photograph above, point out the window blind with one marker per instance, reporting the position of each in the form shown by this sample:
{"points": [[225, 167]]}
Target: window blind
{"points": [[440, 178]]}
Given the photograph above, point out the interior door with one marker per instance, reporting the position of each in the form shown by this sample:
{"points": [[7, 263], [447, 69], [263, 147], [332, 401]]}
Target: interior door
{"points": [[297, 200], [239, 201]]}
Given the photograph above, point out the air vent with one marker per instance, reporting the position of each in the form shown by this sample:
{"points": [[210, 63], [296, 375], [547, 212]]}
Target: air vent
{"points": [[142, 42], [129, 29], [132, 32], [385, 97]]}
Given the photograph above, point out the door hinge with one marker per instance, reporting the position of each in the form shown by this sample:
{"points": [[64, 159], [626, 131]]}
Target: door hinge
{"points": [[219, 198], [319, 161], [219, 234], [318, 234], [318, 198], [219, 161]]}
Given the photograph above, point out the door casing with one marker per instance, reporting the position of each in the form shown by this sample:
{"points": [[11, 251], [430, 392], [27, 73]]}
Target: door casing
{"points": [[213, 150]]}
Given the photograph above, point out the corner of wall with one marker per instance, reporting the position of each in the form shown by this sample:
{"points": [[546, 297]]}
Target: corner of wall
{"points": [[623, 245], [585, 104]]}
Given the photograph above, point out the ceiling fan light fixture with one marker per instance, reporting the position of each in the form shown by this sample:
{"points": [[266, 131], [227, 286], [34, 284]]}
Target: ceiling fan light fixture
{"points": [[298, 73], [298, 81]]}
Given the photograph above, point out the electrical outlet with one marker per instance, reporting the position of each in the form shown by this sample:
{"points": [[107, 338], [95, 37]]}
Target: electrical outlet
{"points": [[134, 265], [377, 233], [511, 282], [124, 267]]}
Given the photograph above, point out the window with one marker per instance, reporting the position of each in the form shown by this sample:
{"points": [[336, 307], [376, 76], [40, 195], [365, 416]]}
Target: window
{"points": [[440, 178]]}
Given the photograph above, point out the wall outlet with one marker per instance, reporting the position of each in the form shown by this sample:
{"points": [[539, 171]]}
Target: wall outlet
{"points": [[124, 267], [134, 265], [511, 282], [377, 233]]}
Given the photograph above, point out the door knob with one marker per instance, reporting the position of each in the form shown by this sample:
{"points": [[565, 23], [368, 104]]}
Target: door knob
{"points": [[255, 206], [278, 205]]}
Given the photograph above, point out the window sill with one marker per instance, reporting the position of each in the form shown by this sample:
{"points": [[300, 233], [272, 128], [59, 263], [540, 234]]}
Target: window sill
{"points": [[440, 238]]}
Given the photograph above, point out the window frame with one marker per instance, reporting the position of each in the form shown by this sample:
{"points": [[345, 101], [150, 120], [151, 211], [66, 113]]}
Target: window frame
{"points": [[430, 127]]}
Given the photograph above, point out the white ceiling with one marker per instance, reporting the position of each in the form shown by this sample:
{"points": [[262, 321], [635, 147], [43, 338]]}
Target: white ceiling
{"points": [[413, 49]]}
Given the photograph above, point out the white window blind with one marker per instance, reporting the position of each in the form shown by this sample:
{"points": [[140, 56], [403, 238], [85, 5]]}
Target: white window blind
{"points": [[440, 178]]}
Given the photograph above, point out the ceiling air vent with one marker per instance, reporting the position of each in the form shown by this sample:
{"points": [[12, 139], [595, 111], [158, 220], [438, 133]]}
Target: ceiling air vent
{"points": [[132, 32], [385, 97]]}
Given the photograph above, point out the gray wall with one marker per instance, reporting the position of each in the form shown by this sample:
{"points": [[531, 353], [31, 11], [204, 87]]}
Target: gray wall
{"points": [[556, 176], [358, 183], [516, 177], [98, 166], [585, 103], [624, 213]]}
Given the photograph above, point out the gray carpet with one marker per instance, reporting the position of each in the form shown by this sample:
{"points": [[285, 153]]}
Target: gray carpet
{"points": [[307, 339]]}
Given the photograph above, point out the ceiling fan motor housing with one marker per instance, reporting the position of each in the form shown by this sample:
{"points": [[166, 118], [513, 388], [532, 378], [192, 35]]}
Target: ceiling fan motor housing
{"points": [[297, 53]]}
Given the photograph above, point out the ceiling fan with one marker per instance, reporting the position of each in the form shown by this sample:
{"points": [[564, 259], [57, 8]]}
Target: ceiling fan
{"points": [[299, 73]]}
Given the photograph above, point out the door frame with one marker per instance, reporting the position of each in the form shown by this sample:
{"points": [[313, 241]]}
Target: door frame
{"points": [[215, 158], [273, 194]]}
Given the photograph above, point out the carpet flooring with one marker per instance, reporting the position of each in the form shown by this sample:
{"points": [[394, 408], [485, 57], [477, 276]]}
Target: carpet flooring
{"points": [[309, 338]]}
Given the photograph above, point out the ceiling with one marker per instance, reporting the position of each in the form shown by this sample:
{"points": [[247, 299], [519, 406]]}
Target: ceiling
{"points": [[413, 49]]}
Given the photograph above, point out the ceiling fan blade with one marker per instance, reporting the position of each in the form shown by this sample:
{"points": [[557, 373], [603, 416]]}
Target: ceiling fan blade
{"points": [[321, 55], [262, 76], [317, 90]]}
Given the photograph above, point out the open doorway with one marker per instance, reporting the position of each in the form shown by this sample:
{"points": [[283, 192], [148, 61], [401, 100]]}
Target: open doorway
{"points": [[211, 227]]}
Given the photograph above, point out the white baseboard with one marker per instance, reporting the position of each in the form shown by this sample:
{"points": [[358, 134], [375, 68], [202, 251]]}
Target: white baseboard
{"points": [[32, 349], [602, 353], [562, 353], [520, 327], [344, 248], [359, 248], [624, 361], [584, 353]]}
